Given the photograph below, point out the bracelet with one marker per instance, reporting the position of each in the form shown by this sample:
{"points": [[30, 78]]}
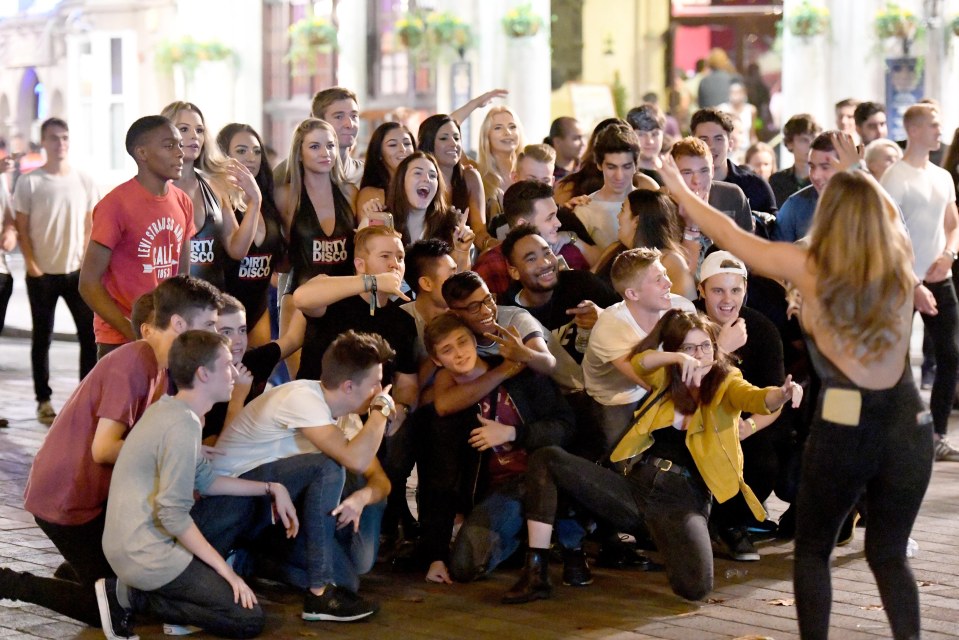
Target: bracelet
{"points": [[368, 282], [462, 250], [386, 400], [952, 255], [752, 424], [269, 490], [372, 295]]}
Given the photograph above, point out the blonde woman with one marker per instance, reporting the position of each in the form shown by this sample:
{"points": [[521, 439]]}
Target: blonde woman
{"points": [[500, 139], [218, 186], [871, 429]]}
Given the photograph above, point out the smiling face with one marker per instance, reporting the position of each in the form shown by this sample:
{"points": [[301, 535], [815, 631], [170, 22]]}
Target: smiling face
{"points": [[318, 151], [233, 326], [344, 115], [504, 133], [245, 148], [723, 295], [193, 131], [533, 264], [716, 139], [397, 145], [478, 311], [618, 171], [545, 219], [447, 148], [421, 183], [161, 153], [697, 173], [822, 166], [650, 288], [699, 345], [456, 352]]}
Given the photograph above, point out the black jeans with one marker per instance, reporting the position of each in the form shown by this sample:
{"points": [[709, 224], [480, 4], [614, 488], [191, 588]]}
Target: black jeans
{"points": [[43, 293], [6, 290], [672, 507], [200, 596], [889, 455], [943, 329]]}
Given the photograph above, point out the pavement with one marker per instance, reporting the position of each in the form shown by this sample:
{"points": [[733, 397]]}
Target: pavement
{"points": [[750, 600]]}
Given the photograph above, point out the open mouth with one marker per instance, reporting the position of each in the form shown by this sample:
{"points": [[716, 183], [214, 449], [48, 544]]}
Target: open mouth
{"points": [[423, 192]]}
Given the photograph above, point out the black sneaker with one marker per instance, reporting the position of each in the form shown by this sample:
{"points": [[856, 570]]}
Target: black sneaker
{"points": [[576, 572], [66, 572], [117, 621], [739, 545], [337, 604]]}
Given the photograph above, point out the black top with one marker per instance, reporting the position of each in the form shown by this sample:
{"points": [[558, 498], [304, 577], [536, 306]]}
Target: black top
{"points": [[757, 190], [391, 322], [785, 183], [207, 253], [261, 362], [669, 443], [654, 174], [312, 251], [249, 279]]}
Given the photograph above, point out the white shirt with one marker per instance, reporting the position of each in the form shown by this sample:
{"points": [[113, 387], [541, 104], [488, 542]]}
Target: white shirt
{"points": [[600, 219]]}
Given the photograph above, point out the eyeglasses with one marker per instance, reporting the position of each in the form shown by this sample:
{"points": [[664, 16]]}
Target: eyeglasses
{"points": [[690, 349], [475, 307]]}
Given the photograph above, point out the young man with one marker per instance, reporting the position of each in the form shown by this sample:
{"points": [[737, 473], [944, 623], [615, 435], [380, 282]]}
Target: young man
{"points": [[141, 232], [531, 202], [870, 119], [648, 121], [303, 434], [514, 418], [164, 565], [798, 134], [567, 137], [54, 204], [755, 342], [616, 153], [535, 162], [713, 127], [254, 367], [825, 161], [927, 197], [88, 434], [429, 263], [846, 116], [640, 279]]}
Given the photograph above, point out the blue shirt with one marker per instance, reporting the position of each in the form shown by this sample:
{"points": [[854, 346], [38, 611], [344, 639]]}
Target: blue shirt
{"points": [[795, 216]]}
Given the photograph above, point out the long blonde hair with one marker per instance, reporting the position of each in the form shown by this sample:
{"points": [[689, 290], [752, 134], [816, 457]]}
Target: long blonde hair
{"points": [[862, 260], [294, 163], [211, 161], [492, 175]]}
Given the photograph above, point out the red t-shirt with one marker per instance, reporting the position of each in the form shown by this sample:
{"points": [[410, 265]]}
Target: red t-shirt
{"points": [[146, 234], [66, 486]]}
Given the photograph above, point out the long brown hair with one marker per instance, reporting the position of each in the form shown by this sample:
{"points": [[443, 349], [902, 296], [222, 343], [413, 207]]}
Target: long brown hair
{"points": [[670, 333], [440, 222], [294, 164], [853, 211]]}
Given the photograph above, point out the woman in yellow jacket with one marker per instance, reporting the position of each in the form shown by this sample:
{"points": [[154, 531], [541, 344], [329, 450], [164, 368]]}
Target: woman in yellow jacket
{"points": [[682, 450]]}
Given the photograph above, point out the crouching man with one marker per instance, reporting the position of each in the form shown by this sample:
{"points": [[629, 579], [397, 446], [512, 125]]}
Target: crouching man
{"points": [[164, 565]]}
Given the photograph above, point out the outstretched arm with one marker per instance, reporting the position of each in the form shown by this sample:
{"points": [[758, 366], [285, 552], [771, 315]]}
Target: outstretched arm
{"points": [[462, 113]]}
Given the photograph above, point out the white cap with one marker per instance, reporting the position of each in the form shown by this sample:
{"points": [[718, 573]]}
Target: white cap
{"points": [[721, 262]]}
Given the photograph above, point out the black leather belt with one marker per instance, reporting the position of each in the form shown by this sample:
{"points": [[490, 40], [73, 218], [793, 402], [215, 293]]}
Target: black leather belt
{"points": [[666, 465]]}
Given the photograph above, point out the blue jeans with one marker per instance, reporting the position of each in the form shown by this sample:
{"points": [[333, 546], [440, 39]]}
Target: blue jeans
{"points": [[672, 507], [199, 596], [314, 481], [889, 455], [353, 553], [494, 529]]}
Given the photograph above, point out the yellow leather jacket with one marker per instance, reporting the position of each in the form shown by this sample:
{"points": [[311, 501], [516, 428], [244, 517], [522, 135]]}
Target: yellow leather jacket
{"points": [[712, 434]]}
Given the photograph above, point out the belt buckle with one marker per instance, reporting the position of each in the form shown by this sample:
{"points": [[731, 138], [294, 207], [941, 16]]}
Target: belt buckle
{"points": [[664, 465]]}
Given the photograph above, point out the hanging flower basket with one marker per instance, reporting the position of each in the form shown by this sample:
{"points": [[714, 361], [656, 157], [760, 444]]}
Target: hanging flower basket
{"points": [[955, 26], [309, 37], [447, 30], [411, 30], [808, 20], [521, 22], [897, 22], [189, 53]]}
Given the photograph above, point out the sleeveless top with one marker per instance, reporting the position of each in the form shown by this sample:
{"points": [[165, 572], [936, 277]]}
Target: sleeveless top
{"points": [[312, 251], [207, 253], [249, 279]]}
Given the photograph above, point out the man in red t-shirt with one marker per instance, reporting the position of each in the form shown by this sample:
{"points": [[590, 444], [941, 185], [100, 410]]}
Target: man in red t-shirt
{"points": [[141, 232]]}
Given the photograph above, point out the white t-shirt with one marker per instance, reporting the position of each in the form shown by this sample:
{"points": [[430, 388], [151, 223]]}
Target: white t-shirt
{"points": [[57, 206], [600, 219], [614, 335], [268, 428], [922, 195]]}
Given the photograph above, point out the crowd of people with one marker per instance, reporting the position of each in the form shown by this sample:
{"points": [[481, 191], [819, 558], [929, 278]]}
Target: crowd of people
{"points": [[556, 336]]}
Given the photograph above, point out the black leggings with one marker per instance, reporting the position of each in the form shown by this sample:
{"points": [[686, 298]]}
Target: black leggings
{"points": [[889, 456]]}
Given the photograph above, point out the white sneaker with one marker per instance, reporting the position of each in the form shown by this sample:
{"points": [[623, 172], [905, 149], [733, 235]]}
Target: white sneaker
{"points": [[45, 413], [179, 629], [945, 452]]}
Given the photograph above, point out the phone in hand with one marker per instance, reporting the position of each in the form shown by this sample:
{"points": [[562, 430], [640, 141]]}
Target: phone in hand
{"points": [[381, 219]]}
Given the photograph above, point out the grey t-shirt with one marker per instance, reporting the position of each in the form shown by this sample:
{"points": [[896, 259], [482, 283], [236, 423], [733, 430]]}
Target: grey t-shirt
{"points": [[151, 495]]}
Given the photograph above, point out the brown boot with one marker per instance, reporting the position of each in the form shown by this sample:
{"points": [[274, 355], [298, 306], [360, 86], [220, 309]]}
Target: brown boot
{"points": [[534, 582]]}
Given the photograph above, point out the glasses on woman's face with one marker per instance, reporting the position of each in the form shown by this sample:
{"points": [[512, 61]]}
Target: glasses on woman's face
{"points": [[475, 307], [691, 349]]}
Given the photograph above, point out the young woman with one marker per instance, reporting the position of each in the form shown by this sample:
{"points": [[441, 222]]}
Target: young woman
{"points": [[500, 139], [871, 430], [315, 206], [761, 158], [389, 144], [417, 201], [440, 135], [217, 186], [649, 219], [682, 451], [249, 279]]}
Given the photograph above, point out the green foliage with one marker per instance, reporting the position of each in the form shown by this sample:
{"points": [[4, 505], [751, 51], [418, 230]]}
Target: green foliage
{"points": [[189, 53], [808, 20], [521, 22], [309, 37]]}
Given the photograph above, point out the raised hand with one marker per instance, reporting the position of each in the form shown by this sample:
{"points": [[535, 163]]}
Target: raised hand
{"points": [[391, 282], [510, 344], [491, 434], [732, 335], [239, 176]]}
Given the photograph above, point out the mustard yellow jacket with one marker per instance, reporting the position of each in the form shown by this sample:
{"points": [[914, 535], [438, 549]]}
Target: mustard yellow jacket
{"points": [[712, 434]]}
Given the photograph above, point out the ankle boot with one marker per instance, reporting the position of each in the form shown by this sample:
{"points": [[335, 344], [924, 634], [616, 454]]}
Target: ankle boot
{"points": [[534, 582]]}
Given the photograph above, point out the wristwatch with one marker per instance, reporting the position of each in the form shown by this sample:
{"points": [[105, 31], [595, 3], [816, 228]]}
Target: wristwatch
{"points": [[382, 408], [952, 254]]}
